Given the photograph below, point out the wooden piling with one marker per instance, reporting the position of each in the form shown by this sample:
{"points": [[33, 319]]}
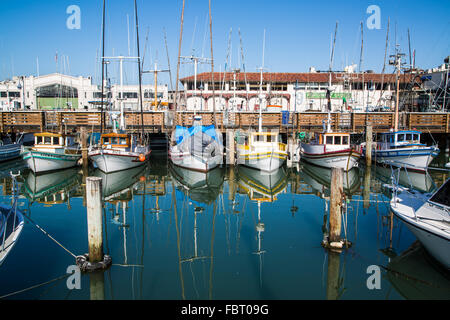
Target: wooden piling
{"points": [[230, 150], [369, 145], [366, 190], [94, 218], [336, 204], [84, 149], [231, 183]]}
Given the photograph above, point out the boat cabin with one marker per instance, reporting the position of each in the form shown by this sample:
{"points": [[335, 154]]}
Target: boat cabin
{"points": [[334, 139], [400, 139], [115, 140]]}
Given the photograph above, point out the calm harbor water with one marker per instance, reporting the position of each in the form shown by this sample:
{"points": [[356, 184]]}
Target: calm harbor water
{"points": [[231, 234]]}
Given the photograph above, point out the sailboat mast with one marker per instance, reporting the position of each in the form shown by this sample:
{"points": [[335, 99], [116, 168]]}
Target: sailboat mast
{"points": [[139, 71], [103, 66], [260, 85]]}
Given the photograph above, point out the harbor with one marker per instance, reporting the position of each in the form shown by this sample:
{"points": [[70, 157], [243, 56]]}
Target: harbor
{"points": [[129, 179], [172, 236]]}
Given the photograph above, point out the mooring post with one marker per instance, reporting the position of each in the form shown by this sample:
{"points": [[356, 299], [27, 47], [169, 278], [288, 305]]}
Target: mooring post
{"points": [[230, 157], [290, 146], [84, 150], [94, 218], [335, 204], [366, 190], [369, 145]]}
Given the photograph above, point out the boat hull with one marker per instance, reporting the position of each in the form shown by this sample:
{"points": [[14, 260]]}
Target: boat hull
{"points": [[189, 161], [9, 152], [40, 161], [415, 159], [345, 159], [111, 161], [264, 161]]}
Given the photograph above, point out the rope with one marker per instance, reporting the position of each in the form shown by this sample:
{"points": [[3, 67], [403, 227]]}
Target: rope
{"points": [[35, 286], [48, 235]]}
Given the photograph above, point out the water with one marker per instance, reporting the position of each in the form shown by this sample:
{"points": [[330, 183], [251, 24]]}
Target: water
{"points": [[228, 235]]}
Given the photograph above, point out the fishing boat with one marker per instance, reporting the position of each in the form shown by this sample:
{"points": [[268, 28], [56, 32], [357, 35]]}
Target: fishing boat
{"points": [[331, 149], [428, 218], [52, 151], [118, 151], [261, 150], [403, 149], [198, 148], [11, 225]]}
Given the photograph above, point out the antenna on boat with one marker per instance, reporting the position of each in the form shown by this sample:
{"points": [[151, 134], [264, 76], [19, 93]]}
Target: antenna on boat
{"points": [[396, 61]]}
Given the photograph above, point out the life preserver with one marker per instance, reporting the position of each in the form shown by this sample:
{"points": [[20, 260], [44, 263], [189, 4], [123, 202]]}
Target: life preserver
{"points": [[141, 157]]}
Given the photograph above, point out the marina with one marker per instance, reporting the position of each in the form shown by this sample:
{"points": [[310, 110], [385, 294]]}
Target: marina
{"points": [[216, 181], [176, 234]]}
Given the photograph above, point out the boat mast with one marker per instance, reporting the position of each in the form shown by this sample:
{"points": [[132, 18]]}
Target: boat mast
{"points": [[178, 66], [103, 67], [261, 96], [139, 71], [397, 63]]}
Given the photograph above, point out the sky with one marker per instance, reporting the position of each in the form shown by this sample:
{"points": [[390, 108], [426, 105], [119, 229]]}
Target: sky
{"points": [[298, 35]]}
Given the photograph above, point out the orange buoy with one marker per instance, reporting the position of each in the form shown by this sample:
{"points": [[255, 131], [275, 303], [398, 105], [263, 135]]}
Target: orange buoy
{"points": [[141, 157]]}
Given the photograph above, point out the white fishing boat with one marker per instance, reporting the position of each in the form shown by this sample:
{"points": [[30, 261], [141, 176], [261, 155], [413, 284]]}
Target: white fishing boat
{"points": [[52, 151], [261, 150], [403, 149], [331, 149], [118, 151], [198, 148], [428, 218]]}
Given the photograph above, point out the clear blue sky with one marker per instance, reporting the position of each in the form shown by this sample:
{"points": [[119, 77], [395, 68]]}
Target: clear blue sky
{"points": [[298, 34]]}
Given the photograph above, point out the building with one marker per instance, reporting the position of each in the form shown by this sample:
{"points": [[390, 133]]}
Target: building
{"points": [[436, 87], [60, 91], [299, 92]]}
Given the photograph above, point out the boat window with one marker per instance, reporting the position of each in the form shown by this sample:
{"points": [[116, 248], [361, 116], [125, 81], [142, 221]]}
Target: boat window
{"points": [[38, 140], [55, 140], [442, 196], [269, 138], [408, 136], [329, 140], [113, 140], [259, 138], [337, 140], [47, 140], [123, 141], [416, 137], [391, 139], [105, 140], [401, 137], [344, 140]]}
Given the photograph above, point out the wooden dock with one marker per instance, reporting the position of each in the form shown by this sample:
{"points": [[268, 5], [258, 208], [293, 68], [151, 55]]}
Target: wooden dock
{"points": [[161, 121]]}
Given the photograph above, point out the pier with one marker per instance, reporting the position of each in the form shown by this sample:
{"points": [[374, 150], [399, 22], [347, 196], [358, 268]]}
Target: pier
{"points": [[162, 121]]}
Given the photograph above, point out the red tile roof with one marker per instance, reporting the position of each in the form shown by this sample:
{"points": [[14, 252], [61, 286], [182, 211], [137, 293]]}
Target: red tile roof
{"points": [[300, 77]]}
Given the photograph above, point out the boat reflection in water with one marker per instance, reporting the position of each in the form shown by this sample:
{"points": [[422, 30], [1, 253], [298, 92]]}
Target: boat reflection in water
{"points": [[121, 182], [260, 185], [51, 188], [319, 178], [202, 187], [417, 276], [418, 180]]}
